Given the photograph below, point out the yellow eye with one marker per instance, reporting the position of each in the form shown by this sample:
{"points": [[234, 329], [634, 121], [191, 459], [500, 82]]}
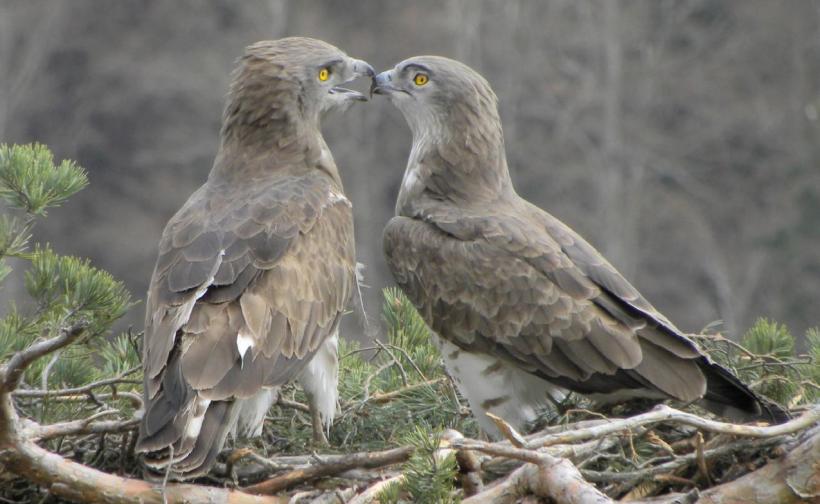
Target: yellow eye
{"points": [[324, 74], [420, 79]]}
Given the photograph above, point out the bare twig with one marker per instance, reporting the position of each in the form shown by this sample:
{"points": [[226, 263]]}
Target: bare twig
{"points": [[677, 463], [664, 413], [387, 350], [281, 401], [12, 371], [120, 378], [550, 477], [371, 493], [134, 398], [83, 426], [77, 482], [507, 430], [330, 466], [791, 479], [469, 469], [384, 397], [47, 370]]}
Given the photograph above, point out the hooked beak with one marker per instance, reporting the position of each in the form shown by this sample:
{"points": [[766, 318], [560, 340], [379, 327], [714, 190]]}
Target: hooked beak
{"points": [[382, 84], [361, 68]]}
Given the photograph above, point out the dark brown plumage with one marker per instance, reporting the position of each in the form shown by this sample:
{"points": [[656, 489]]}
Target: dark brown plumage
{"points": [[255, 270], [519, 300]]}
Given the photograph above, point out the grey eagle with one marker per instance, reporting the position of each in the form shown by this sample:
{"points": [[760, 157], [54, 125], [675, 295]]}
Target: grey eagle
{"points": [[521, 306], [256, 268]]}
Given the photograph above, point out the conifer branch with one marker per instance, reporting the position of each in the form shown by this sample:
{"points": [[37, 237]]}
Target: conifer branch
{"points": [[12, 371]]}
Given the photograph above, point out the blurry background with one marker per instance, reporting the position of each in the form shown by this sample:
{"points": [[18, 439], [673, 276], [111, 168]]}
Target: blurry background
{"points": [[682, 138]]}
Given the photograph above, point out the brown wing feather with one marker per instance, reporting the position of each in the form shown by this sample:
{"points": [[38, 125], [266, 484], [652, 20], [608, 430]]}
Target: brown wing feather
{"points": [[520, 283], [530, 298], [271, 261]]}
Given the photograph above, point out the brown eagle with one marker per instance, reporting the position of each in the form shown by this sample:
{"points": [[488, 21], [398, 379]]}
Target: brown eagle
{"points": [[521, 306], [256, 268]]}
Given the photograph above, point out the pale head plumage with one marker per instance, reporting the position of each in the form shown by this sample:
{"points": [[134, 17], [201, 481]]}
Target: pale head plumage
{"points": [[458, 143], [451, 96]]}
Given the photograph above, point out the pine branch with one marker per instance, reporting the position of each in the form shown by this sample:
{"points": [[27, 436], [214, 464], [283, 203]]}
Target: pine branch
{"points": [[12, 371], [116, 380]]}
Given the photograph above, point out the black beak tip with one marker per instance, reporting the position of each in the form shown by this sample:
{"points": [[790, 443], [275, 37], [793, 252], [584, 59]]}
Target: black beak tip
{"points": [[375, 89]]}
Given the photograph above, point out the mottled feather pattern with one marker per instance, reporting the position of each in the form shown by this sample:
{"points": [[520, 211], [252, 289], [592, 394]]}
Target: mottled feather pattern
{"points": [[254, 271], [498, 276], [287, 326]]}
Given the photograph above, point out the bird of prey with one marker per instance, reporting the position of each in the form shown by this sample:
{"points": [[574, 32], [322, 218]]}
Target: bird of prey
{"points": [[521, 306], [256, 268]]}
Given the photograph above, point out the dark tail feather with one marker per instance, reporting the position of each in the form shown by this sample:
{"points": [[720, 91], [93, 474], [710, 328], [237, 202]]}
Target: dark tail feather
{"points": [[199, 453], [162, 424], [728, 397], [218, 421], [175, 409]]}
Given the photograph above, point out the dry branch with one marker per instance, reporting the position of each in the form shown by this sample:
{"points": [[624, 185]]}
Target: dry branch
{"points": [[792, 479], [81, 483], [679, 462], [383, 397], [12, 371], [36, 432], [330, 467], [663, 413], [133, 397], [70, 480], [551, 478], [76, 391]]}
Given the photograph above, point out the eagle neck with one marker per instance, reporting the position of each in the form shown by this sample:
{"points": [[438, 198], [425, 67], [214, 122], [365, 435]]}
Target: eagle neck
{"points": [[253, 145], [463, 168]]}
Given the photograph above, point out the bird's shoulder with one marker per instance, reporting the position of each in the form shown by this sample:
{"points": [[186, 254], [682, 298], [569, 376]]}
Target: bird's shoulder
{"points": [[229, 228]]}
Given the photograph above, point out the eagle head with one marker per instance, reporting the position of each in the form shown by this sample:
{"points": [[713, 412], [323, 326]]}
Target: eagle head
{"points": [[439, 97], [292, 80]]}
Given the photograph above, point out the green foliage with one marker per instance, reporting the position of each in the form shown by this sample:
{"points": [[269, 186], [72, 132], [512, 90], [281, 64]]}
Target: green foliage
{"points": [[406, 330], [390, 494], [64, 289], [68, 288], [16, 331], [14, 237], [766, 359], [120, 355], [773, 342], [811, 378], [429, 478], [407, 366], [769, 338], [30, 180]]}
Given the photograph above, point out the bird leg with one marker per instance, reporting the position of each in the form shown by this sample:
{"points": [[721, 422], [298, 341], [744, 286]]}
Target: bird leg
{"points": [[319, 437]]}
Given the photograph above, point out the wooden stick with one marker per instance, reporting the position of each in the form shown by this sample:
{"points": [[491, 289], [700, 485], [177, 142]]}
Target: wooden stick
{"points": [[12, 371], [552, 478], [120, 378], [664, 413], [383, 397], [337, 465], [77, 482]]}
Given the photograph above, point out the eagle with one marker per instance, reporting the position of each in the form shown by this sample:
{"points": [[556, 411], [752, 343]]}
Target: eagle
{"points": [[522, 308], [256, 268]]}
